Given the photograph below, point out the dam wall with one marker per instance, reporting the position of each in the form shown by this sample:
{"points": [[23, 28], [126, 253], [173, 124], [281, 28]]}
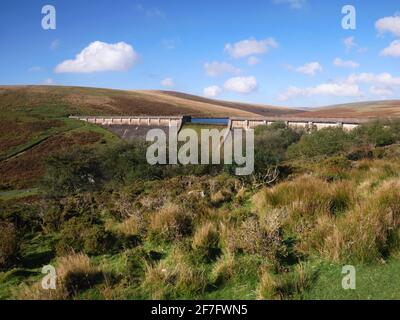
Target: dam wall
{"points": [[306, 123], [138, 121]]}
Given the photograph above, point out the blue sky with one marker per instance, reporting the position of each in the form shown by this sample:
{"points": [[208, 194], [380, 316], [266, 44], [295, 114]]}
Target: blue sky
{"points": [[280, 52]]}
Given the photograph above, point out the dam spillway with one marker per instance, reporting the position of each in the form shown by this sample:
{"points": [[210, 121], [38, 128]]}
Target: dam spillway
{"points": [[132, 127]]}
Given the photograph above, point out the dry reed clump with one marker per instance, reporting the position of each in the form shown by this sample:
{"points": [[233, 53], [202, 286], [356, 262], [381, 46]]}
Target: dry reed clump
{"points": [[343, 196], [170, 223], [220, 197], [74, 272], [134, 225], [228, 238], [305, 200], [268, 288], [173, 278], [223, 188], [309, 191], [369, 232], [286, 285], [206, 241]]}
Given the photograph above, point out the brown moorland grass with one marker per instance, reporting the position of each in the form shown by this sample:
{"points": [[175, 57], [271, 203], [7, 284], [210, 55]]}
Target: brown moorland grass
{"points": [[15, 133], [24, 170], [96, 101], [373, 109]]}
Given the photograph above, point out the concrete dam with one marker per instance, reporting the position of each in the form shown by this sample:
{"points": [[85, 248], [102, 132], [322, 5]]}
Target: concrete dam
{"points": [[130, 127]]}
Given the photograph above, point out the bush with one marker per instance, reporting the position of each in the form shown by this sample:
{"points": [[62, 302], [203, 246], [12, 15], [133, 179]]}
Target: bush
{"points": [[271, 143], [125, 163], [25, 217], [324, 142], [360, 152], [376, 133], [80, 235], [255, 238], [55, 212], [9, 244], [73, 172]]}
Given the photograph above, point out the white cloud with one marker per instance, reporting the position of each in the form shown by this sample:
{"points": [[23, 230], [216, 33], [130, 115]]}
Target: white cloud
{"points": [[212, 91], [168, 82], [294, 4], [350, 43], [381, 91], [241, 84], [382, 84], [345, 64], [101, 56], [250, 47], [252, 61], [326, 89], [393, 50], [215, 69], [389, 24], [310, 69], [385, 79]]}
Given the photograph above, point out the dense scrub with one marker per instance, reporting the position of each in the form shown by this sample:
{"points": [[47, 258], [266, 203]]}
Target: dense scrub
{"points": [[115, 227]]}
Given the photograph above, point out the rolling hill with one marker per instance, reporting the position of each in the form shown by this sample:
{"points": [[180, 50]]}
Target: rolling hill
{"points": [[361, 110], [34, 120], [63, 101]]}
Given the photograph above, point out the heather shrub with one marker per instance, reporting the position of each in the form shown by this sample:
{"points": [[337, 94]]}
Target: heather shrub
{"points": [[79, 235]]}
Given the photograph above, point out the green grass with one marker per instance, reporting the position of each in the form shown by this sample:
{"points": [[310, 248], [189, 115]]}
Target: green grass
{"points": [[36, 253], [373, 282], [18, 194], [242, 286], [199, 127]]}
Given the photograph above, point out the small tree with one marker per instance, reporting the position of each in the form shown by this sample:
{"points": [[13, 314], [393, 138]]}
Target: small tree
{"points": [[325, 142]]}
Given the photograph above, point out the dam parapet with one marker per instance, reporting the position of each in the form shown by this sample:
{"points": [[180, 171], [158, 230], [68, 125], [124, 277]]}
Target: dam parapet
{"points": [[307, 123]]}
